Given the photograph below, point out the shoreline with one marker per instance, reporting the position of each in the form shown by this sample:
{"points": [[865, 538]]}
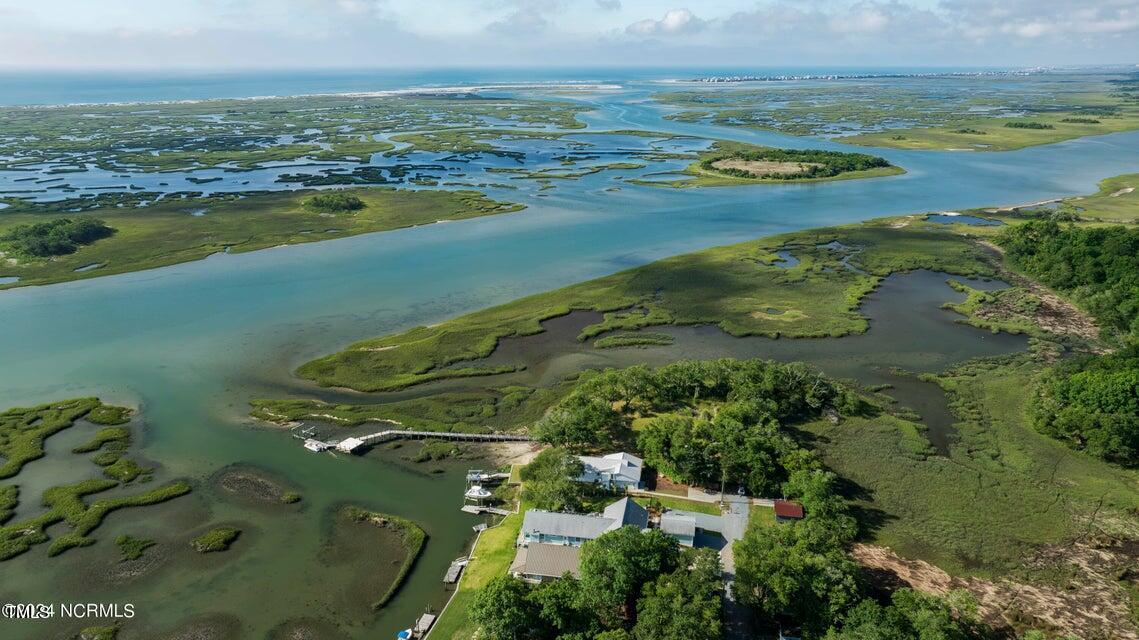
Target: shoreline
{"points": [[383, 93]]}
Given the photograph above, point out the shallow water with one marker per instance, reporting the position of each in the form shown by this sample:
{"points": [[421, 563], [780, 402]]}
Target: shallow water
{"points": [[192, 343]]}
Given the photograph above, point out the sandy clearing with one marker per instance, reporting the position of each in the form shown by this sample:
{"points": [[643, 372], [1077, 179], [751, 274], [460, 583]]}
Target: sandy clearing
{"points": [[1055, 314], [759, 168], [1094, 606], [1122, 192]]}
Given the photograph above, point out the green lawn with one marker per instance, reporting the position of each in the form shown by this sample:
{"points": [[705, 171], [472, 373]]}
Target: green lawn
{"points": [[682, 504], [490, 557], [166, 233]]}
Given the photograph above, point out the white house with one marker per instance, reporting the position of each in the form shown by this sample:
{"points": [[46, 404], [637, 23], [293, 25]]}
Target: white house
{"points": [[616, 471]]}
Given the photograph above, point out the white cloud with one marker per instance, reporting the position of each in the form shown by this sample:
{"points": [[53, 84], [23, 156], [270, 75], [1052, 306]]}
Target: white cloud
{"points": [[609, 5], [674, 22]]}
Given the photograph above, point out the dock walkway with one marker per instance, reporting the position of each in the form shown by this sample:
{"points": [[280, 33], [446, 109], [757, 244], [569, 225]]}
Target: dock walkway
{"points": [[349, 445], [470, 508]]}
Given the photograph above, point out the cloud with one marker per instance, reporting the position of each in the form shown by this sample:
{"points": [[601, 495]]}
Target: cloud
{"points": [[675, 22], [1033, 19], [609, 5], [528, 16]]}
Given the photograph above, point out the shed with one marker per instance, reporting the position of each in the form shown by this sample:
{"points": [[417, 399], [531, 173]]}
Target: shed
{"points": [[785, 510]]}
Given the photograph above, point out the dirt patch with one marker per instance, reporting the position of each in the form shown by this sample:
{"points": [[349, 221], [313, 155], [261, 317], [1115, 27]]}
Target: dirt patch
{"points": [[1055, 314], [506, 453], [760, 168], [1090, 604], [1122, 192]]}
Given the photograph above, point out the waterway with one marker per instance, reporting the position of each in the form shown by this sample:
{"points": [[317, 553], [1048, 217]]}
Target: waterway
{"points": [[191, 344]]}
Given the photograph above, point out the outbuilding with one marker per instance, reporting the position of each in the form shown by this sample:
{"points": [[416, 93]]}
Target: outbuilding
{"points": [[787, 511]]}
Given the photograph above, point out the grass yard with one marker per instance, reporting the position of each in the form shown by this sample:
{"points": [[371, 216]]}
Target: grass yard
{"points": [[682, 504], [490, 557]]}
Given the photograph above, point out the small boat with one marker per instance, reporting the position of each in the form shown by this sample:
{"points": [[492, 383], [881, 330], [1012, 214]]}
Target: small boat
{"points": [[477, 492], [404, 635]]}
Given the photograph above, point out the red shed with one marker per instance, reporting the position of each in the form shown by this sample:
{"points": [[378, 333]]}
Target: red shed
{"points": [[786, 510]]}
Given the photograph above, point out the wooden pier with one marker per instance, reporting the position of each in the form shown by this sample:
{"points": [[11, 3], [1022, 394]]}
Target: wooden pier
{"points": [[454, 570], [349, 445], [477, 510]]}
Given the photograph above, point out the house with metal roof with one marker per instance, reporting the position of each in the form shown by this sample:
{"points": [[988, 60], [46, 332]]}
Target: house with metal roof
{"points": [[679, 525], [575, 529], [549, 543], [617, 471], [540, 562]]}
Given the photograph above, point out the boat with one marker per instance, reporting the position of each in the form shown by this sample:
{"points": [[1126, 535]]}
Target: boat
{"points": [[477, 492]]}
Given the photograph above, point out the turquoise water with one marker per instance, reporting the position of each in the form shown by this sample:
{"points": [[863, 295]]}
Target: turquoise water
{"points": [[192, 343]]}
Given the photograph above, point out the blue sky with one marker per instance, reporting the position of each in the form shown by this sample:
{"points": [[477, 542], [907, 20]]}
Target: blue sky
{"points": [[234, 34]]}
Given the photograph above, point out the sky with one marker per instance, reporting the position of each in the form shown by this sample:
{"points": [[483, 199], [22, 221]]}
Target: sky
{"points": [[293, 34]]}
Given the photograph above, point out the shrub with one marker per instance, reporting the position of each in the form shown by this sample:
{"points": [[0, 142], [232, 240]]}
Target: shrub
{"points": [[335, 202]]}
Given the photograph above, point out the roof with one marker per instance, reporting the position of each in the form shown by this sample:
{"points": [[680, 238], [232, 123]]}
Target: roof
{"points": [[622, 466], [788, 509], [626, 512], [571, 525], [678, 524], [547, 560], [349, 444], [705, 521], [575, 525]]}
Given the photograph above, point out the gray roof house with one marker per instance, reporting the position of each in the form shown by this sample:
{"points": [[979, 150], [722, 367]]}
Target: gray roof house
{"points": [[619, 471], [548, 544], [540, 562], [679, 525], [575, 529]]}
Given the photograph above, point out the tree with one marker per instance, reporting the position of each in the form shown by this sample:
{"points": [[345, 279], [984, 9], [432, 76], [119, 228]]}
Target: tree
{"points": [[557, 605], [617, 565], [1093, 405], [788, 570], [335, 201], [579, 421], [684, 604], [912, 614], [550, 481], [502, 609]]}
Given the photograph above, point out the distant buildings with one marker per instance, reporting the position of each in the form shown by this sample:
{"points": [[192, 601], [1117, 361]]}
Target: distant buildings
{"points": [[616, 471]]}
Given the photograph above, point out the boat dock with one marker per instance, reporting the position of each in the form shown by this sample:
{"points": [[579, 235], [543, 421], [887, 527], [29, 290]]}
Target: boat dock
{"points": [[478, 476], [349, 445], [456, 568], [477, 510]]}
